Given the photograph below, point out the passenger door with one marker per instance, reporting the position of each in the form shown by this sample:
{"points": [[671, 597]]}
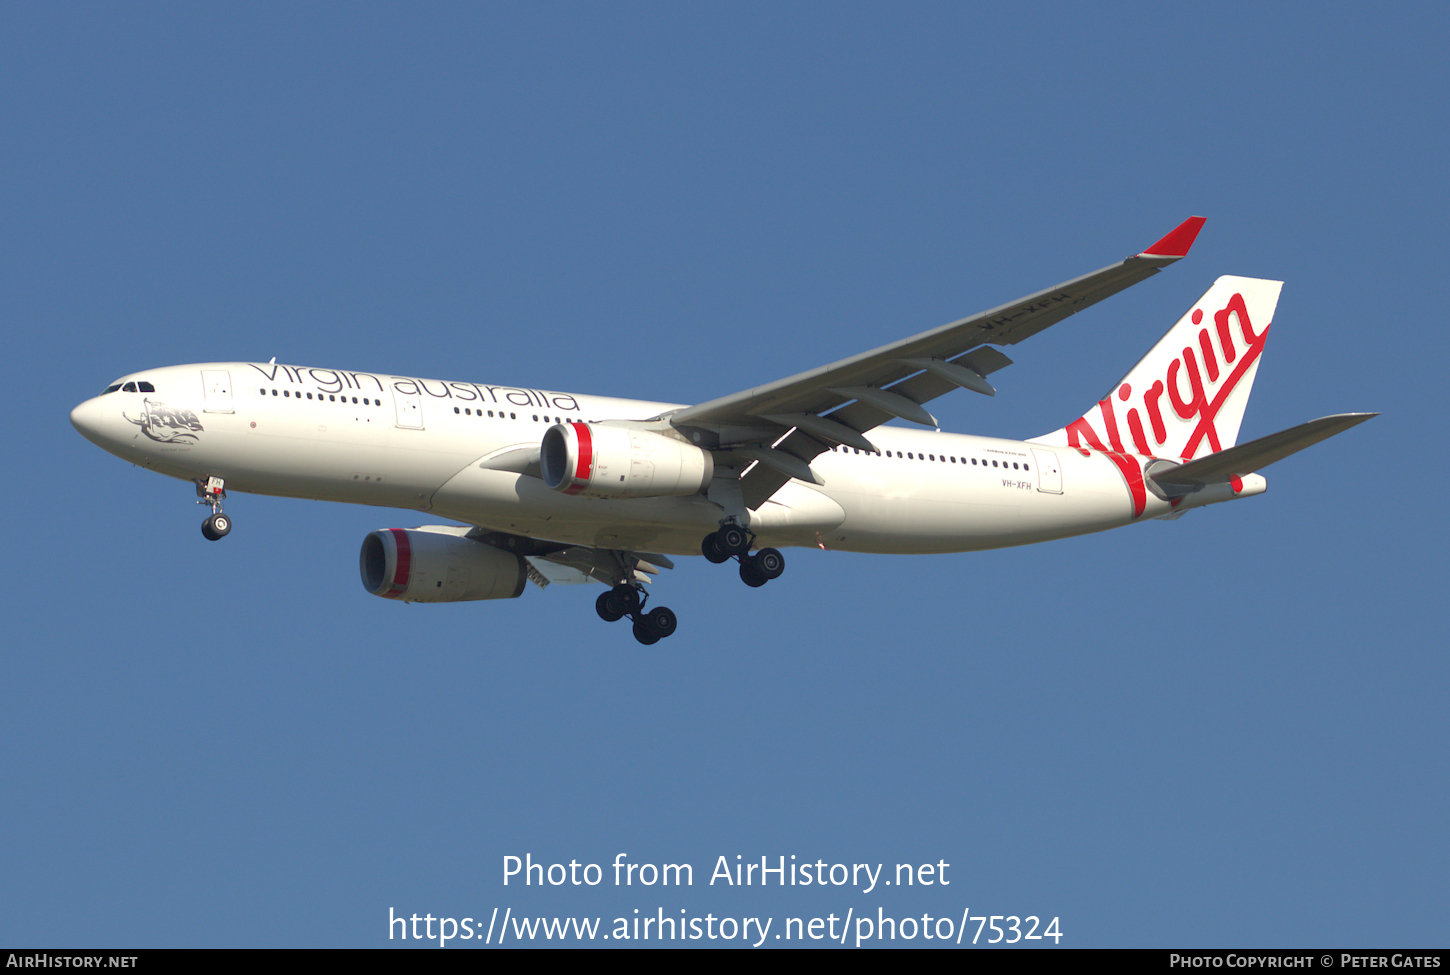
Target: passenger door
{"points": [[217, 384]]}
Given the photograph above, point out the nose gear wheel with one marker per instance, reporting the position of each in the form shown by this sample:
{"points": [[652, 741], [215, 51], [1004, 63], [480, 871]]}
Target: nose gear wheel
{"points": [[217, 526], [212, 491]]}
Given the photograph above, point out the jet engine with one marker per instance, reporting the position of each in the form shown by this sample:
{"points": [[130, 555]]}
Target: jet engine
{"points": [[605, 461], [436, 565]]}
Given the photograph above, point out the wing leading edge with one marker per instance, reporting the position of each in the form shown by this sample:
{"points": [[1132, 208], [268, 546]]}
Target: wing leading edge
{"points": [[838, 403]]}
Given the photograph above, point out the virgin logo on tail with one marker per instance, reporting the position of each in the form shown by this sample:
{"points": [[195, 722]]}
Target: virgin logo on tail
{"points": [[1186, 398]]}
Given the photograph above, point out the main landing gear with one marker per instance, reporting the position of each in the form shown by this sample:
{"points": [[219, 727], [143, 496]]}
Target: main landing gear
{"points": [[733, 541], [650, 626], [212, 491]]}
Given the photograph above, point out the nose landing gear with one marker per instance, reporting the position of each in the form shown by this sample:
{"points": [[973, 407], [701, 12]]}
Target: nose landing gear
{"points": [[650, 626], [732, 541], [212, 491]]}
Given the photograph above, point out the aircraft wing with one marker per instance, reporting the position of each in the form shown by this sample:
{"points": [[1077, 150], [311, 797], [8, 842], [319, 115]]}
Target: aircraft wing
{"points": [[555, 562], [838, 403]]}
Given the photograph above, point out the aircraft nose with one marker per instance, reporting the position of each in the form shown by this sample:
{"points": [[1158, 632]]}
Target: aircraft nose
{"points": [[89, 419]]}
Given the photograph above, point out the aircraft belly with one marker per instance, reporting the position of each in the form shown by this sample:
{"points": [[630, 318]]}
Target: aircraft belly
{"points": [[379, 466], [523, 505], [958, 511], [796, 515]]}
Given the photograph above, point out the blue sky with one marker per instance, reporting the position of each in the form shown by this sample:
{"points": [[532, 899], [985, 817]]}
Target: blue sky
{"points": [[1224, 730]]}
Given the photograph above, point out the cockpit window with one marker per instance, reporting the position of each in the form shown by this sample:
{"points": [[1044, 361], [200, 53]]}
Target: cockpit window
{"points": [[111, 388], [145, 387], [129, 388]]}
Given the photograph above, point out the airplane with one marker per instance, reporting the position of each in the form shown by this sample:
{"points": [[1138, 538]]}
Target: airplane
{"points": [[565, 488]]}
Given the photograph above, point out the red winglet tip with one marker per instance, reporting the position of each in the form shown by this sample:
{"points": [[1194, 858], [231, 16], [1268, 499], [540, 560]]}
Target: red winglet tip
{"points": [[1178, 240]]}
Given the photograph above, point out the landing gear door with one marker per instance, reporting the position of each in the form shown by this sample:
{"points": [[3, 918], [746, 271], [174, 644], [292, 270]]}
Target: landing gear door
{"points": [[1049, 472], [217, 384], [410, 409]]}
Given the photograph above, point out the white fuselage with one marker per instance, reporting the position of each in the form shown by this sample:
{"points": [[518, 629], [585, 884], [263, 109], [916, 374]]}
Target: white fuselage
{"points": [[400, 442]]}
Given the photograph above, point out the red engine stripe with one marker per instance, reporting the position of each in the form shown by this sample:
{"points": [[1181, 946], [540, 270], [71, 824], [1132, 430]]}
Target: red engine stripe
{"points": [[586, 455], [404, 568]]}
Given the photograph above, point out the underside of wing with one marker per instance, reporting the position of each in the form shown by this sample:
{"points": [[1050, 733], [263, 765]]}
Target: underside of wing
{"points": [[838, 403], [555, 562]]}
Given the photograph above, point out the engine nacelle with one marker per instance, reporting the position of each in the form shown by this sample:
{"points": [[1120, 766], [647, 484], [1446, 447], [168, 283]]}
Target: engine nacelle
{"points": [[600, 461], [433, 565]]}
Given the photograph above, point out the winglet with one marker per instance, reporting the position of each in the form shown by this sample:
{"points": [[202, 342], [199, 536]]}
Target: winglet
{"points": [[1178, 240]]}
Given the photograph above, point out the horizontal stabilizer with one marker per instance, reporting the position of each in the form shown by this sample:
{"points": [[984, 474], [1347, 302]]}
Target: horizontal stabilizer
{"points": [[1258, 454]]}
